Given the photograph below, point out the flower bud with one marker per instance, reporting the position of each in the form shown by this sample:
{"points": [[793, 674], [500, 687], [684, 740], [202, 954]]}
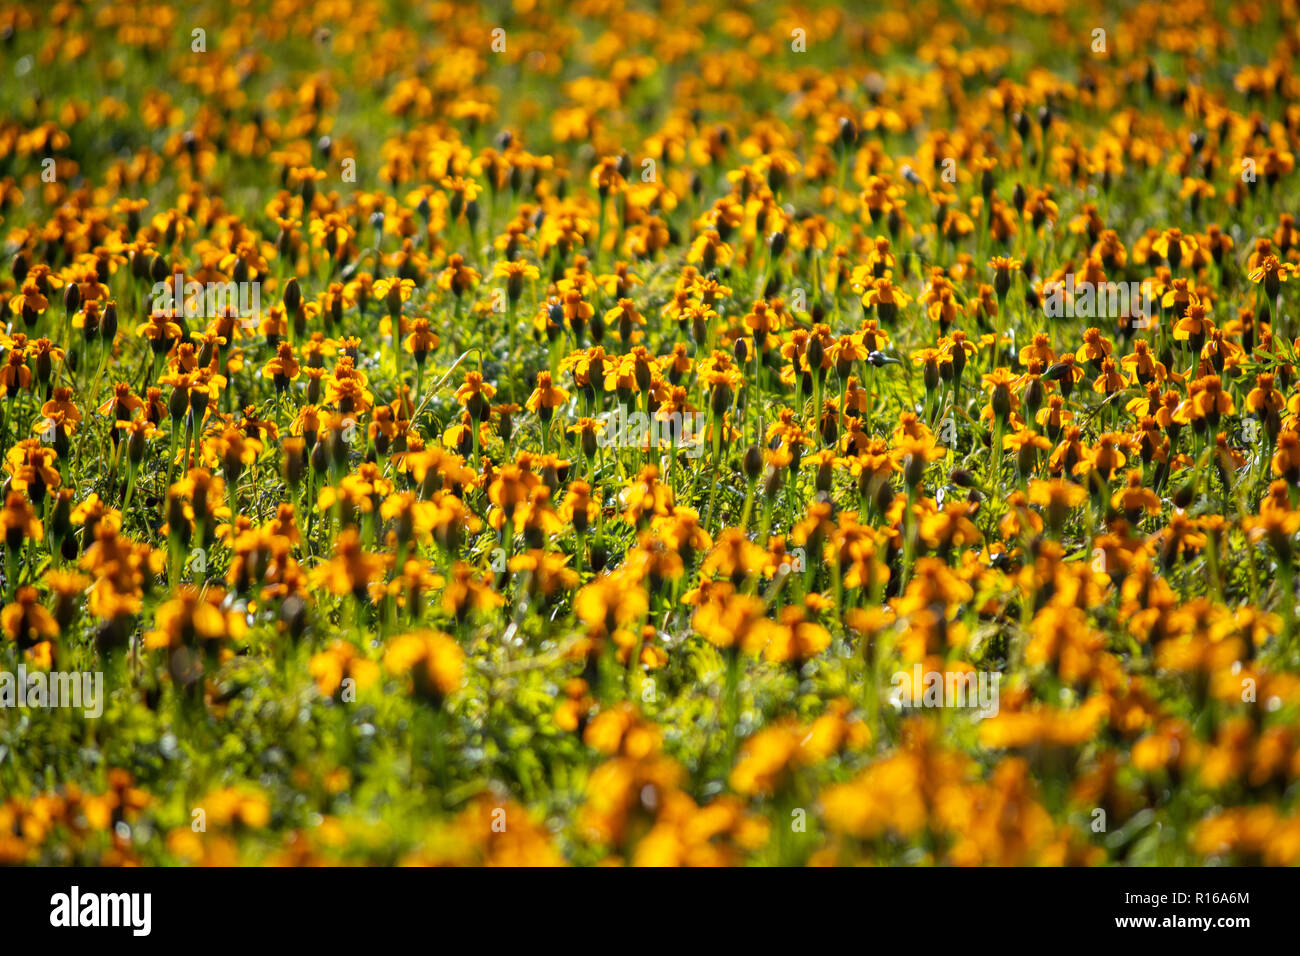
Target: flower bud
{"points": [[913, 469], [178, 402], [292, 295], [293, 462], [319, 458], [720, 400], [848, 132]]}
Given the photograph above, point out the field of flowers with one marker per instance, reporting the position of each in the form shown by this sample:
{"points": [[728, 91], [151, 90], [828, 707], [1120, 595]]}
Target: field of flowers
{"points": [[611, 432]]}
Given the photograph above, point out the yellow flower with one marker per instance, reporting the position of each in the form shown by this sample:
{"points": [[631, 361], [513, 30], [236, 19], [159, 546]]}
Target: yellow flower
{"points": [[432, 659]]}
